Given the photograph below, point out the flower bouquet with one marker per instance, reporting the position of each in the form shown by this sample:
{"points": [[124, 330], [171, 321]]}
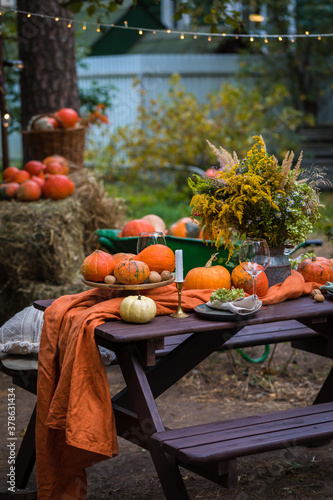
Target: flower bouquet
{"points": [[256, 197]]}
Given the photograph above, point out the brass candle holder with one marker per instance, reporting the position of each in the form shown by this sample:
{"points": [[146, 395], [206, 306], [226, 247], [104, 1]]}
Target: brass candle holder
{"points": [[179, 313]]}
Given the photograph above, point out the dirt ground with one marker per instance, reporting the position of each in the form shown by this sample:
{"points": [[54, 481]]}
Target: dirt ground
{"points": [[224, 386]]}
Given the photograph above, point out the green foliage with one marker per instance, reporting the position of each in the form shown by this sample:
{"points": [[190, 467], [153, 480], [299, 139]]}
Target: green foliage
{"points": [[305, 65], [149, 195], [171, 130]]}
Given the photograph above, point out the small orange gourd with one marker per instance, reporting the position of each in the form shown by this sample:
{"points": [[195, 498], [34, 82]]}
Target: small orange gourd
{"points": [[131, 272], [122, 256], [97, 265], [208, 277], [158, 257]]}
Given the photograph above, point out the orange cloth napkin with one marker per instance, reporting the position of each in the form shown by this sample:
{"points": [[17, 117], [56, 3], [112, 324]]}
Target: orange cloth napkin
{"points": [[293, 287], [75, 425]]}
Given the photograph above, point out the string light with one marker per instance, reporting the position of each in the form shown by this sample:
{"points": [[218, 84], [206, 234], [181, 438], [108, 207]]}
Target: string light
{"points": [[209, 38], [140, 32], [182, 36], [266, 41], [195, 35], [98, 29]]}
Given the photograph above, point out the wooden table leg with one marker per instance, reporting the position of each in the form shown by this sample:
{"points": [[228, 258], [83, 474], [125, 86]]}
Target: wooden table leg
{"points": [[149, 420]]}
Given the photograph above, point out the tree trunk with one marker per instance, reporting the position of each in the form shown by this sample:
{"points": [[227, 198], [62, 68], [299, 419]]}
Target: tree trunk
{"points": [[47, 49]]}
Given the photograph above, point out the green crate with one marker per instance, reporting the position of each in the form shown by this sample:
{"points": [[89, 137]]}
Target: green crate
{"points": [[195, 252]]}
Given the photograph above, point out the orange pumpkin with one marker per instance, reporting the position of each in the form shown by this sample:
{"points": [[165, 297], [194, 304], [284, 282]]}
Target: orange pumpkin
{"points": [[34, 167], [241, 279], [9, 173], [158, 257], [55, 167], [185, 228], [131, 272], [97, 265], [68, 116], [156, 221], [135, 227], [57, 187], [20, 176], [8, 190], [122, 256], [29, 191], [58, 159], [317, 269], [208, 277]]}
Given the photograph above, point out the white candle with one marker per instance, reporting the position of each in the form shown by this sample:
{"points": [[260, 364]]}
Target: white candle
{"points": [[179, 266]]}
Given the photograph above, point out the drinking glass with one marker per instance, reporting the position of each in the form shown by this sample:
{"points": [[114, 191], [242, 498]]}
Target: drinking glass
{"points": [[149, 238], [289, 247], [254, 258]]}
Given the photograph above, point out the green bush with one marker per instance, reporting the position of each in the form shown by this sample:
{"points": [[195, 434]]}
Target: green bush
{"points": [[172, 130]]}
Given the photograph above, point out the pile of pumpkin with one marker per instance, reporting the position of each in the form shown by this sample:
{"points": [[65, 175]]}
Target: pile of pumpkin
{"points": [[37, 179], [182, 228]]}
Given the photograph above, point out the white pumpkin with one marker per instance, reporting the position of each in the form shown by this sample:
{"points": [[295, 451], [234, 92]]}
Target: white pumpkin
{"points": [[156, 221], [43, 123], [137, 309]]}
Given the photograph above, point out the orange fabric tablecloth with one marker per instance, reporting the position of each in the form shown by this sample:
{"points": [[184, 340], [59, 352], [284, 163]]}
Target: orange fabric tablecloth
{"points": [[75, 425]]}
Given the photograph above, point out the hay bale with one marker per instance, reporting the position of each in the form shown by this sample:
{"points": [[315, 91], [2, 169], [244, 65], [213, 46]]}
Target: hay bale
{"points": [[41, 241], [98, 210], [45, 242], [14, 299]]}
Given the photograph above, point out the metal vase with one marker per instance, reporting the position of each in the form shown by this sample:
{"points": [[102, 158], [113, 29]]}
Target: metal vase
{"points": [[279, 267]]}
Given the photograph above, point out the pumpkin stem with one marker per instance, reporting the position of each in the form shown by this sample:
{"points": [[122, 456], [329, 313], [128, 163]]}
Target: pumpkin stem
{"points": [[139, 297], [213, 257], [314, 258]]}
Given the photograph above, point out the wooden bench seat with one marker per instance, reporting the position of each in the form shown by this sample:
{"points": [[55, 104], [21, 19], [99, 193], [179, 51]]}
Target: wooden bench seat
{"points": [[214, 447], [249, 336]]}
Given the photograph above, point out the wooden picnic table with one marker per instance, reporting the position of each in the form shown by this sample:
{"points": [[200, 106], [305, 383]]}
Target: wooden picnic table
{"points": [[154, 356]]}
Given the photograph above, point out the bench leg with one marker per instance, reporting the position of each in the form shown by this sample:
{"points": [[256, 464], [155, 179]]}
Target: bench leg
{"points": [[325, 395], [26, 456]]}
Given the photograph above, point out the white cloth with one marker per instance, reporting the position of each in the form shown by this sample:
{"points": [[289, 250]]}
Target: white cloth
{"points": [[21, 335], [247, 305]]}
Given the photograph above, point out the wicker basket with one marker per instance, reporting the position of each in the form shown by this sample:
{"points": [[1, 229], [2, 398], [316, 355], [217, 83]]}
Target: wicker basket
{"points": [[67, 142]]}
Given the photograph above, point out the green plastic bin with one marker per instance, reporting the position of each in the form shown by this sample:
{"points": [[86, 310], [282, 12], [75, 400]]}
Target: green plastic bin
{"points": [[195, 252]]}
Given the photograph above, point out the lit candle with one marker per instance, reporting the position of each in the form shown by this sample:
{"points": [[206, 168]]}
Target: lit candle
{"points": [[179, 266]]}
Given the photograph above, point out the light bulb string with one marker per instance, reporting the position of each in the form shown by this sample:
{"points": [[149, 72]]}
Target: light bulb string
{"points": [[181, 33]]}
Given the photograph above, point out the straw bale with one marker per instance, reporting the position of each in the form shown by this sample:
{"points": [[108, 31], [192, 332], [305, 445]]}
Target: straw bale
{"points": [[15, 299], [98, 210]]}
